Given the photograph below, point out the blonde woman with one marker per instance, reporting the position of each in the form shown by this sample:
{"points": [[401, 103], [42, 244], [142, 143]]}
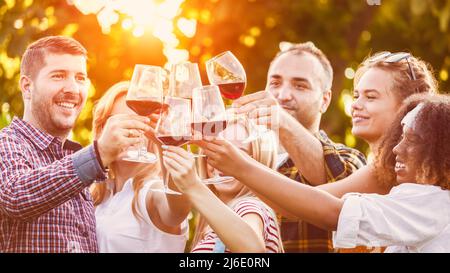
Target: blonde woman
{"points": [[130, 217], [232, 218]]}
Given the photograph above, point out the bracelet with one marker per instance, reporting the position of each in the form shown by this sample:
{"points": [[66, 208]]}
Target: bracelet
{"points": [[97, 154]]}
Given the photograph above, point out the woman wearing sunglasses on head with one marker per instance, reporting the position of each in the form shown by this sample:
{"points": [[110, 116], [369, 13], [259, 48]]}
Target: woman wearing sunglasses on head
{"points": [[382, 82], [413, 161]]}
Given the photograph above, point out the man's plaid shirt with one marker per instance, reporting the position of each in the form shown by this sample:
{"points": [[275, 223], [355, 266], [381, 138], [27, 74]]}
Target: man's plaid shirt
{"points": [[340, 162], [45, 205]]}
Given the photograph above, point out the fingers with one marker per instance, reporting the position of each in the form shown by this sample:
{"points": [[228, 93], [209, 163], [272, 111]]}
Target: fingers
{"points": [[212, 145], [154, 120], [266, 121], [247, 108], [126, 142], [121, 117], [171, 165], [249, 98], [134, 124], [260, 112], [177, 150], [179, 155], [253, 101], [132, 133]]}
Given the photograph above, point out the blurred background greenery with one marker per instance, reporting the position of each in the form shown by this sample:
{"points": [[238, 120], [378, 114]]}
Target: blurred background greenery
{"points": [[121, 33]]}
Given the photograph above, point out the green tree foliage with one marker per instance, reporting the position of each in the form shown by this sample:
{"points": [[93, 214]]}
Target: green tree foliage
{"points": [[346, 30]]}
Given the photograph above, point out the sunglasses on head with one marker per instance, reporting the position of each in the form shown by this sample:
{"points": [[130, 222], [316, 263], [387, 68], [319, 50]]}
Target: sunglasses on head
{"points": [[388, 57]]}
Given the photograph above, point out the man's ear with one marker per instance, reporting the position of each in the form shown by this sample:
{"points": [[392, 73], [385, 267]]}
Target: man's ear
{"points": [[25, 86], [326, 100]]}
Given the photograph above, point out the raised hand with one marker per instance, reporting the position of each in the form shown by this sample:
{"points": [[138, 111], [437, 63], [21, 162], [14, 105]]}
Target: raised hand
{"points": [[262, 107], [181, 166], [120, 132], [223, 155]]}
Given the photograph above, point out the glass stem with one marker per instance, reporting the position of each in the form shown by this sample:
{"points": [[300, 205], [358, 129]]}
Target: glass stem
{"points": [[164, 171]]}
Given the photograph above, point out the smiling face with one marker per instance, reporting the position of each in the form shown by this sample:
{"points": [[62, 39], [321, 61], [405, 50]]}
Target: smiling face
{"points": [[57, 94], [374, 106], [405, 153], [295, 82]]}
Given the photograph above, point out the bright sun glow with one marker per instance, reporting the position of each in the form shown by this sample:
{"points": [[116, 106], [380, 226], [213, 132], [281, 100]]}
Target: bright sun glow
{"points": [[155, 17]]}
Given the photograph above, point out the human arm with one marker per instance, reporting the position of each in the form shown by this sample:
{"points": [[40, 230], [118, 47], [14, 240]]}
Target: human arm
{"points": [[30, 188], [362, 180], [28, 191], [238, 234], [305, 202]]}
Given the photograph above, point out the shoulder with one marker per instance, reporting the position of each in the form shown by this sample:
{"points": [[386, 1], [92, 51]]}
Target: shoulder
{"points": [[252, 205], [11, 141], [248, 203], [342, 149], [418, 191], [408, 197]]}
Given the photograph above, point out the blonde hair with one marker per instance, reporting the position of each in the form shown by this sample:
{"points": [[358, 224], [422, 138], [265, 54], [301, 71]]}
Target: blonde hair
{"points": [[102, 111], [264, 150]]}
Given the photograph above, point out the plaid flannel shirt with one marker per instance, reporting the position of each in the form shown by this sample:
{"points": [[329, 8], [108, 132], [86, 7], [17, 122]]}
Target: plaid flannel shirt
{"points": [[340, 162], [45, 205]]}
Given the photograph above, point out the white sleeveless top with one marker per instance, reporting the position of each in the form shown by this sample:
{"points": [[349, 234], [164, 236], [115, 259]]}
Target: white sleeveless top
{"points": [[118, 230]]}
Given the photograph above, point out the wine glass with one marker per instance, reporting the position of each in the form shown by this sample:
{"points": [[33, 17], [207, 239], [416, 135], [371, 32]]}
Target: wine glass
{"points": [[209, 118], [174, 128], [144, 97], [227, 72], [184, 77]]}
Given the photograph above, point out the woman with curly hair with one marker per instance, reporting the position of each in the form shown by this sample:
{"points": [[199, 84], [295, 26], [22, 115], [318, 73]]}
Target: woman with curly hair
{"points": [[413, 160]]}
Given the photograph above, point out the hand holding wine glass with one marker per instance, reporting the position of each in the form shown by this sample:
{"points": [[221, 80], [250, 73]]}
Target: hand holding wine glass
{"points": [[184, 77], [144, 96], [182, 167], [209, 119], [174, 129], [225, 71]]}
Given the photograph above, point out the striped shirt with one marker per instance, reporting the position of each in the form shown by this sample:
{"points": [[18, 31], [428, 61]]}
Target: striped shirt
{"points": [[246, 206], [340, 162], [45, 205]]}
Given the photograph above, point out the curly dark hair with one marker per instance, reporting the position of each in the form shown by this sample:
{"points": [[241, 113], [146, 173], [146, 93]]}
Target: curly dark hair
{"points": [[433, 153]]}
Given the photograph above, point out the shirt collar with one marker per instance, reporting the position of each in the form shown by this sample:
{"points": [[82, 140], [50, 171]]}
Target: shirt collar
{"points": [[321, 135], [40, 138]]}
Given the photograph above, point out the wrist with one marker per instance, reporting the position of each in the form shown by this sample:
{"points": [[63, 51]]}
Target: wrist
{"points": [[99, 159], [243, 167], [193, 188], [283, 122], [103, 156]]}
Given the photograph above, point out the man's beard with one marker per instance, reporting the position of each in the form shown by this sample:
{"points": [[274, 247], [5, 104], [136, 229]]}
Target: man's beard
{"points": [[43, 112]]}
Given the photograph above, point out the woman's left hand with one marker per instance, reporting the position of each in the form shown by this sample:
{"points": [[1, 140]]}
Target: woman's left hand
{"points": [[181, 166]]}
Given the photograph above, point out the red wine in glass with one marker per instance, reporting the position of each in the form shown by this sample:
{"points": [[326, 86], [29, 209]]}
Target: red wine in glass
{"points": [[233, 90], [145, 106], [210, 128], [174, 140]]}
